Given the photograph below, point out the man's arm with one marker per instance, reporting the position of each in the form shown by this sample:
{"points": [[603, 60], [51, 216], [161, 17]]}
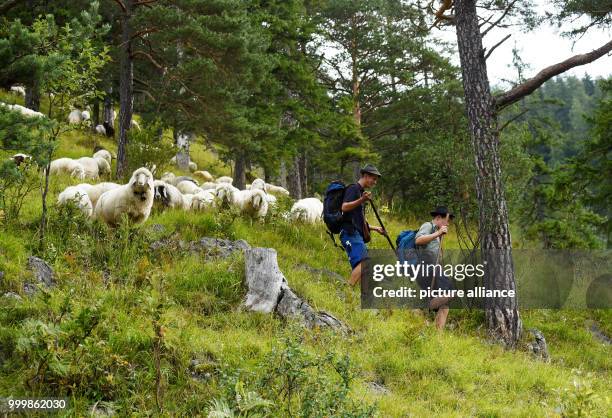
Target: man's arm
{"points": [[349, 206], [426, 239]]}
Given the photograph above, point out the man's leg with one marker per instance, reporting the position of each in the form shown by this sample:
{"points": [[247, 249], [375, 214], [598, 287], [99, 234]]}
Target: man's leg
{"points": [[441, 317], [355, 275]]}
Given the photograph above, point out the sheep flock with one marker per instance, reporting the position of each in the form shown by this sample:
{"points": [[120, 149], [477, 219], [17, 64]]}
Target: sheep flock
{"points": [[109, 201]]}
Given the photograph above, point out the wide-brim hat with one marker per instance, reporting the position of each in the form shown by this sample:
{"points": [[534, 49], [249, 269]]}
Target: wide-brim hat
{"points": [[442, 211], [370, 169]]}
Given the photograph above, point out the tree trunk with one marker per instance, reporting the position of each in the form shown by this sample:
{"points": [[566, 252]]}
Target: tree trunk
{"points": [[95, 117], [303, 173], [293, 179], [182, 156], [240, 170], [108, 107], [283, 174], [502, 315], [32, 96], [126, 87]]}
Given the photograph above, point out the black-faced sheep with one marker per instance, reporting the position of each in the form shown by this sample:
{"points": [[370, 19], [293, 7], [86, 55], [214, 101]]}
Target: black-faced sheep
{"points": [[168, 195]]}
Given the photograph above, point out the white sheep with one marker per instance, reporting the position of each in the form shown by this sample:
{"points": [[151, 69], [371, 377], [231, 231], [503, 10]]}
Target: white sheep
{"points": [[208, 185], [204, 199], [94, 167], [224, 192], [75, 117], [271, 199], [224, 179], [134, 199], [23, 110], [100, 130], [94, 191], [271, 188], [203, 175], [79, 197], [307, 210], [85, 115], [67, 165], [20, 90], [188, 187], [104, 154], [258, 184], [250, 202], [168, 195]]}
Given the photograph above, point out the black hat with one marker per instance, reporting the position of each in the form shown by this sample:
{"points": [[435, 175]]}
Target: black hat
{"points": [[442, 211], [370, 169]]}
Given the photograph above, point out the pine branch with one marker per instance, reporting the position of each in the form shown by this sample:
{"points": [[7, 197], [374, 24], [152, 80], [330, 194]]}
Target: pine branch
{"points": [[496, 45], [498, 20], [149, 57], [120, 3], [529, 86], [8, 5]]}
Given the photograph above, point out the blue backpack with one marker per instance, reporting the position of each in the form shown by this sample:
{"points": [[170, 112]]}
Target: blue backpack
{"points": [[332, 209], [406, 246]]}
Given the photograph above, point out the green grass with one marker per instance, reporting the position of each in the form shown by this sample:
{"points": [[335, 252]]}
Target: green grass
{"points": [[112, 280]]}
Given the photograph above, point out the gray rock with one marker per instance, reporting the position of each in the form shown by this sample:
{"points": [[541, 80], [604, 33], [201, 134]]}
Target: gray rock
{"points": [[158, 228], [538, 347], [42, 271], [218, 247], [322, 272], [29, 289], [11, 295], [598, 333], [201, 370], [378, 388], [292, 306], [101, 409]]}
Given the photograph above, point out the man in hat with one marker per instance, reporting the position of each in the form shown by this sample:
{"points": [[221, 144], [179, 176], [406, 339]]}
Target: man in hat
{"points": [[355, 230], [428, 241]]}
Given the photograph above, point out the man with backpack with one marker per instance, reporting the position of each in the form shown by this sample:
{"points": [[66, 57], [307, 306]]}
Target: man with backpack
{"points": [[428, 241], [355, 231]]}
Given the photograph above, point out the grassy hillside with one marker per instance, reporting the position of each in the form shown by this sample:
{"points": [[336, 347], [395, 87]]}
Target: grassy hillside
{"points": [[137, 330]]}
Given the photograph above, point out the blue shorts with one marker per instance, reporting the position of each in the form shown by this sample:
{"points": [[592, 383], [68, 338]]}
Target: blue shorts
{"points": [[354, 246]]}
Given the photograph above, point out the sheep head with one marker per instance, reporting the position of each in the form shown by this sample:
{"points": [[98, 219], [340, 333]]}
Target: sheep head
{"points": [[258, 184], [78, 172], [103, 166], [142, 183], [161, 192]]}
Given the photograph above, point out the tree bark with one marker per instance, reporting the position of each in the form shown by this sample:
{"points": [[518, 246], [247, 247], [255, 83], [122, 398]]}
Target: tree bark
{"points": [[107, 114], [293, 179], [182, 156], [502, 314], [283, 174], [240, 170], [126, 88], [32, 96], [303, 173], [95, 116]]}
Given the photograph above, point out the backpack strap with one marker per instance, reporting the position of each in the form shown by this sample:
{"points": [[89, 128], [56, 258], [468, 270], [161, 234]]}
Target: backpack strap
{"points": [[328, 232]]}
